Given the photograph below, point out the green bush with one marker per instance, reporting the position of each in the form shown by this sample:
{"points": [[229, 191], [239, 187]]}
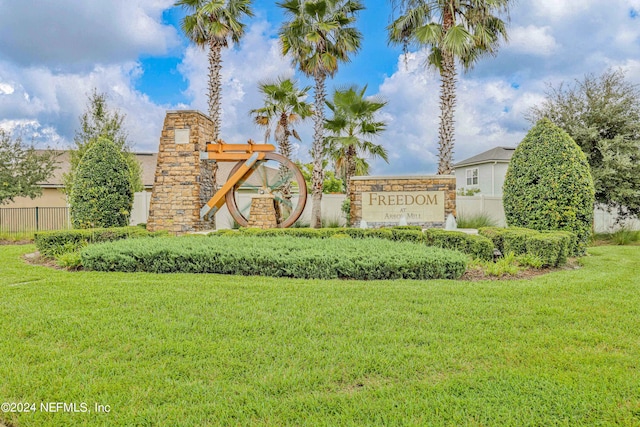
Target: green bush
{"points": [[101, 194], [69, 260], [495, 234], [407, 227], [550, 248], [548, 185], [472, 244], [517, 237], [571, 242], [527, 260], [408, 234], [283, 256], [515, 240], [56, 243]]}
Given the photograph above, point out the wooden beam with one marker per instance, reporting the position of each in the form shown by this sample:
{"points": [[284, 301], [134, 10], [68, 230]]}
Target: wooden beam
{"points": [[242, 148], [217, 200]]}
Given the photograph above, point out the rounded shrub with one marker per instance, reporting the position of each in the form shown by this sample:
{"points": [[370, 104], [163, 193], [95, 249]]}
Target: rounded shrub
{"points": [[548, 185], [101, 193]]}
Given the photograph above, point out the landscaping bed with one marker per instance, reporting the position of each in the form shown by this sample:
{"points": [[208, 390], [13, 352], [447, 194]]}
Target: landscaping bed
{"points": [[278, 256]]}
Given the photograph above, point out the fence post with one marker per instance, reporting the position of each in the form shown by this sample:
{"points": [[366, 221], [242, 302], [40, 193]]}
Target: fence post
{"points": [[37, 219]]}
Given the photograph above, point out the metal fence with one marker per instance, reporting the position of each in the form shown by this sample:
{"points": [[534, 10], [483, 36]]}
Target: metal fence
{"points": [[18, 220]]}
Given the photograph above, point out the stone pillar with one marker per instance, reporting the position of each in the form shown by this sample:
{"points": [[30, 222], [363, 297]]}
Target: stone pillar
{"points": [[183, 184], [263, 212]]}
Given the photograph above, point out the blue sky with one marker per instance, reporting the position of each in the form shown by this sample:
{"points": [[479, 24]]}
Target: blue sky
{"points": [[163, 83], [52, 54]]}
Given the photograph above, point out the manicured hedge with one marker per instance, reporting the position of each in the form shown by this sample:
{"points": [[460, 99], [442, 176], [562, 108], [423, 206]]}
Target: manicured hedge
{"points": [[280, 256], [552, 247], [55, 243], [515, 240], [495, 234], [411, 234], [474, 245]]}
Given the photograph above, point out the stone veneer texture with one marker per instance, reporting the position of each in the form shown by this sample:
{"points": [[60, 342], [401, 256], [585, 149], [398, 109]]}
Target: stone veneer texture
{"points": [[263, 212], [360, 184], [183, 183]]}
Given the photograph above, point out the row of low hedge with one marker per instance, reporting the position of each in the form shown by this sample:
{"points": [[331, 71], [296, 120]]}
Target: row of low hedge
{"points": [[412, 234], [476, 246], [56, 243], [279, 256], [552, 247]]}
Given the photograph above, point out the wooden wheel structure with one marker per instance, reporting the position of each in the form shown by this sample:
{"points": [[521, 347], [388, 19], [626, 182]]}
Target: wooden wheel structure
{"points": [[259, 170], [276, 175]]}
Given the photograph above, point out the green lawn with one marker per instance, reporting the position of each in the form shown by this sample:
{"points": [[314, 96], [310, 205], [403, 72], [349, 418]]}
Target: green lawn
{"points": [[196, 350]]}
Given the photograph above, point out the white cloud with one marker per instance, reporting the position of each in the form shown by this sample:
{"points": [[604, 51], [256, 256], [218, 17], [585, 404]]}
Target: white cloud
{"points": [[45, 100], [559, 9], [489, 112], [72, 34], [6, 89], [532, 40], [50, 61], [257, 58]]}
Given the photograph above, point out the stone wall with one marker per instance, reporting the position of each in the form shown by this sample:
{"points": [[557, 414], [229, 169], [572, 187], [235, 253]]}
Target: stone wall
{"points": [[263, 212], [182, 183], [384, 201]]}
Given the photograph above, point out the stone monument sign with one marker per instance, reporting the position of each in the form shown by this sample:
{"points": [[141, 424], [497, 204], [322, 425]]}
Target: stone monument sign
{"points": [[388, 200]]}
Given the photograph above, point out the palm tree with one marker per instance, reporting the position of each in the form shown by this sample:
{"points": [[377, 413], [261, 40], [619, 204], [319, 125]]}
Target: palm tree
{"points": [[215, 23], [319, 35], [284, 106], [352, 127], [451, 29]]}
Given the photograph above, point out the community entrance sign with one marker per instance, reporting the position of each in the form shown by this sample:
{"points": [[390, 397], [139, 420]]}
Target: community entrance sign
{"points": [[416, 200], [414, 206]]}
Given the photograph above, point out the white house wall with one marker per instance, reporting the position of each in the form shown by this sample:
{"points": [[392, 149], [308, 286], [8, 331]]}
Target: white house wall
{"points": [[490, 178]]}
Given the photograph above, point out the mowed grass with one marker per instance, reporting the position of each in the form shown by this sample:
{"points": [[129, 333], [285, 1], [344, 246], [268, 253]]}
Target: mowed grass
{"points": [[199, 350]]}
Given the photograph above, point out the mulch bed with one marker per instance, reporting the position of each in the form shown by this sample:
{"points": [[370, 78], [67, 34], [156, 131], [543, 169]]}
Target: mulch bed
{"points": [[477, 274]]}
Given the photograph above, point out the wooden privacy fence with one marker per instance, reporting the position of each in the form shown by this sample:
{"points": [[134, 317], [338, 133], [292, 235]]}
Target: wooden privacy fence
{"points": [[17, 220]]}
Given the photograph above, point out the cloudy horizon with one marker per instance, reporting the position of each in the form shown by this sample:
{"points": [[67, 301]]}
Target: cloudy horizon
{"points": [[51, 59]]}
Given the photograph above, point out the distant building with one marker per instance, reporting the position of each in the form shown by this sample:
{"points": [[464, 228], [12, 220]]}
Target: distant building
{"points": [[485, 171], [53, 195], [52, 190]]}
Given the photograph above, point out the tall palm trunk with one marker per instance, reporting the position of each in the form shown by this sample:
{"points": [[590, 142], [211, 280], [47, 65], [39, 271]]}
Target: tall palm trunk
{"points": [[447, 102], [317, 177], [285, 150], [208, 181], [285, 146], [215, 85], [351, 168]]}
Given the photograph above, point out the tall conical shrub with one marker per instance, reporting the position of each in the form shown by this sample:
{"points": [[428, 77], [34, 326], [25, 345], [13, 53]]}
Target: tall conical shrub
{"points": [[548, 185], [101, 193]]}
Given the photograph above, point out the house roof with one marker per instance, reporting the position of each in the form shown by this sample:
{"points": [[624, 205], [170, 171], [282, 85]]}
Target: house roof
{"points": [[148, 162], [496, 154]]}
